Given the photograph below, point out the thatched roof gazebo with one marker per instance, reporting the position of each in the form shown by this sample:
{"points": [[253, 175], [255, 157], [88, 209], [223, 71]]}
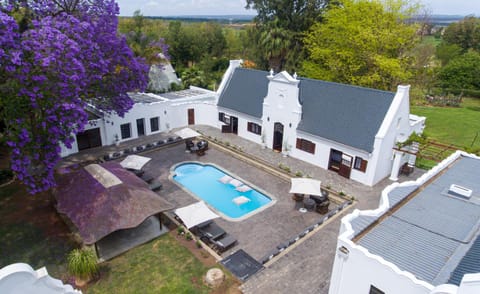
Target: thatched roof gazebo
{"points": [[103, 199]]}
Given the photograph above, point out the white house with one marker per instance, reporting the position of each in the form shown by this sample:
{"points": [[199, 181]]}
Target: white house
{"points": [[348, 129], [424, 238], [151, 114]]}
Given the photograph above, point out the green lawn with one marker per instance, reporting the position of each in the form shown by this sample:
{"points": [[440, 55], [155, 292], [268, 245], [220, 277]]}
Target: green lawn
{"points": [[28, 234], [160, 266], [431, 40], [459, 126]]}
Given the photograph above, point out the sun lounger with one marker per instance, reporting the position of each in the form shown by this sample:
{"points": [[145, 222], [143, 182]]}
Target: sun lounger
{"points": [[204, 224], [225, 242], [138, 173], [243, 188], [147, 178], [236, 183], [155, 186], [225, 179], [211, 232]]}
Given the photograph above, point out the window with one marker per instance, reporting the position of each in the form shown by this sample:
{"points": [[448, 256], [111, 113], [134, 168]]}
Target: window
{"points": [[221, 116], [154, 124], [306, 145], [254, 128], [360, 164], [126, 131], [375, 290]]}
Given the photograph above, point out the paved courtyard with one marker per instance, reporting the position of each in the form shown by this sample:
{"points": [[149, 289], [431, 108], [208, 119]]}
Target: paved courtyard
{"points": [[306, 267]]}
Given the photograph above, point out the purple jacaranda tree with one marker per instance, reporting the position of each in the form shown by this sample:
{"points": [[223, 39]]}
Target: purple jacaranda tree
{"points": [[55, 57]]}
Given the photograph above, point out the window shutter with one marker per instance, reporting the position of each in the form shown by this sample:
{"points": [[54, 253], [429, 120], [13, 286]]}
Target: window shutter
{"points": [[312, 147], [221, 116], [363, 165]]}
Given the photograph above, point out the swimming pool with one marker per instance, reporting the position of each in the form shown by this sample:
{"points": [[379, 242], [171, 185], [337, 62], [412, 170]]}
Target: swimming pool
{"points": [[203, 181]]}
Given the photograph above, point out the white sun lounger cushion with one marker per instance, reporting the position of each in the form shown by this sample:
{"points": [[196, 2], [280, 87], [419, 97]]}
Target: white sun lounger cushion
{"points": [[240, 200], [243, 188], [225, 179], [235, 183]]}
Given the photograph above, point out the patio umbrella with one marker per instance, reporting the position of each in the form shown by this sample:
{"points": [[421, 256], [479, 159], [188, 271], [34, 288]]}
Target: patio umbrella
{"points": [[187, 133], [305, 186], [134, 162], [195, 214]]}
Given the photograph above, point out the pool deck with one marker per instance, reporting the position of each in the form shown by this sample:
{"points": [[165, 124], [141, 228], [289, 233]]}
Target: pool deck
{"points": [[303, 268]]}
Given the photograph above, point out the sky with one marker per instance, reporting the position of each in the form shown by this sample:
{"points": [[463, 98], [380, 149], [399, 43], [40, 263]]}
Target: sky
{"points": [[226, 7]]}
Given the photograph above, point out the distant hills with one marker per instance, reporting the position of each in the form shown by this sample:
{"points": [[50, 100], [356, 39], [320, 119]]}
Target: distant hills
{"points": [[238, 18], [442, 20]]}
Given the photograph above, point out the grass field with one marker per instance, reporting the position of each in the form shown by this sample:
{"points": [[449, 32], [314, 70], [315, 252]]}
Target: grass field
{"points": [[431, 40], [459, 126], [160, 266]]}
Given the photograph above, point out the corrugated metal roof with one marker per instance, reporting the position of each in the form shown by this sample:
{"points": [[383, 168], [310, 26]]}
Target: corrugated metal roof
{"points": [[399, 194], [183, 94], [410, 247], [143, 98], [433, 234], [361, 223], [346, 114], [470, 263], [245, 91]]}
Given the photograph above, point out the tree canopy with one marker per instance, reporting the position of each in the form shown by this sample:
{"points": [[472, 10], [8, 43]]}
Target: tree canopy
{"points": [[55, 56], [280, 24], [462, 72], [459, 53], [465, 34], [144, 43], [363, 43]]}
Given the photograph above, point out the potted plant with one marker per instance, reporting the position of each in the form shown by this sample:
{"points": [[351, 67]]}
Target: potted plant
{"points": [[82, 263], [286, 148], [264, 140], [117, 140]]}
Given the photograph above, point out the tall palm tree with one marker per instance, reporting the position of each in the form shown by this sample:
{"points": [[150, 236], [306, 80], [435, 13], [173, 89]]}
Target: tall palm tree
{"points": [[275, 43]]}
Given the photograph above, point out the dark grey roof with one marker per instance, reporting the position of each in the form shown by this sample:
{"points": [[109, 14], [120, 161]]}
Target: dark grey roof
{"points": [[346, 114], [342, 113], [433, 234], [361, 222], [245, 91]]}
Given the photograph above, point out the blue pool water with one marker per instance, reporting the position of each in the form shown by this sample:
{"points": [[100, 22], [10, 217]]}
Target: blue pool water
{"points": [[203, 181]]}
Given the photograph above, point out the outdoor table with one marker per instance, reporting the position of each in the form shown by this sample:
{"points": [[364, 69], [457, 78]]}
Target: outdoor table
{"points": [[309, 203]]}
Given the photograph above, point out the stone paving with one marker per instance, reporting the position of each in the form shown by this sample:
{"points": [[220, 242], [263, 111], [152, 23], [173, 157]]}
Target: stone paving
{"points": [[303, 269]]}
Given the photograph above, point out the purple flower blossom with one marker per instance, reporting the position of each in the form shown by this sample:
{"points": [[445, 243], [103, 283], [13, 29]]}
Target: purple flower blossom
{"points": [[66, 55]]}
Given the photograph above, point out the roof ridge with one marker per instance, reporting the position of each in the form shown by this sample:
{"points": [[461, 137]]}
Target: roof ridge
{"points": [[344, 85], [251, 69]]}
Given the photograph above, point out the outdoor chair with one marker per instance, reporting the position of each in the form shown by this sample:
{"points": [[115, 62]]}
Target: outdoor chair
{"points": [[318, 199], [298, 197], [202, 144], [225, 242], [189, 144]]}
